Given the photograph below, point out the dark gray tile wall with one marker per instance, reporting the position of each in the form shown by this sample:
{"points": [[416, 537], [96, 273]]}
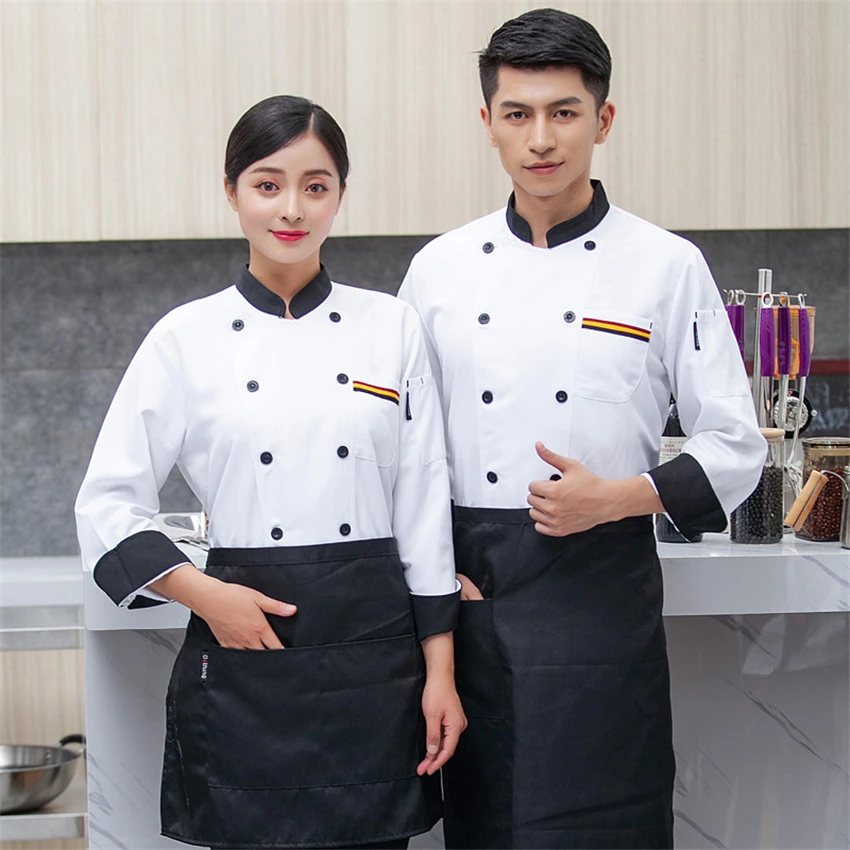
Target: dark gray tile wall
{"points": [[72, 314]]}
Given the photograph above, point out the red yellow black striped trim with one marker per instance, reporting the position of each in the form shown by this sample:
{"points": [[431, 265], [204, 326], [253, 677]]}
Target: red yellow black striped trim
{"points": [[371, 389], [617, 328]]}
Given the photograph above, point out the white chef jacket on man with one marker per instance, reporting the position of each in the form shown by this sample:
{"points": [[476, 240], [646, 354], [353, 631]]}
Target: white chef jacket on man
{"points": [[580, 345]]}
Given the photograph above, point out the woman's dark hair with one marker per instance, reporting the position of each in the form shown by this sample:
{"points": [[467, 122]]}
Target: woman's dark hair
{"points": [[276, 122], [546, 38]]}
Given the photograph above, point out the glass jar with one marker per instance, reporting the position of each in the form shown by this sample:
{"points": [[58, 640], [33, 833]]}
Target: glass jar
{"points": [[825, 454], [759, 518]]}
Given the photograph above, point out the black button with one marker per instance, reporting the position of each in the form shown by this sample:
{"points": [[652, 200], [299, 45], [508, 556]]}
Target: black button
{"points": [[345, 529], [590, 245], [569, 317], [488, 247], [237, 324], [555, 477], [561, 396], [486, 396], [253, 386], [342, 378], [342, 451], [334, 317], [266, 458], [277, 533], [483, 319], [492, 477]]}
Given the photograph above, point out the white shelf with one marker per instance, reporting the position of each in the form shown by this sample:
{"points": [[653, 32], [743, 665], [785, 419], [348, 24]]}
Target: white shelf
{"points": [[65, 817]]}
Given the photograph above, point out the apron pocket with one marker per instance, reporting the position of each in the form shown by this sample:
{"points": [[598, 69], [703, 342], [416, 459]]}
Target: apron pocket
{"points": [[479, 672], [339, 714]]}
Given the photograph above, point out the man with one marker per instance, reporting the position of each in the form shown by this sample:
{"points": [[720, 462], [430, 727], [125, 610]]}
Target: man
{"points": [[558, 329]]}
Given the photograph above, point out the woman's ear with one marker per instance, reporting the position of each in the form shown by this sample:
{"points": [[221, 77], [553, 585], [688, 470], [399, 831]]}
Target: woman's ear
{"points": [[230, 191]]}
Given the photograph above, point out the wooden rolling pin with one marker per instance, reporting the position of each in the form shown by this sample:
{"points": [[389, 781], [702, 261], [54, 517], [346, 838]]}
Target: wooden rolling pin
{"points": [[804, 503]]}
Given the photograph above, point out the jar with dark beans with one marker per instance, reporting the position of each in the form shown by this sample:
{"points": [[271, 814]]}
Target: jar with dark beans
{"points": [[825, 454], [759, 518]]}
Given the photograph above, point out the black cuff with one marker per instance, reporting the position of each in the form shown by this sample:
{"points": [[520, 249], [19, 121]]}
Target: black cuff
{"points": [[133, 563], [687, 496], [435, 614]]}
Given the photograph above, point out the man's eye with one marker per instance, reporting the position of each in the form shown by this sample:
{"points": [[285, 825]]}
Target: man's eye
{"points": [[565, 113], [516, 115]]}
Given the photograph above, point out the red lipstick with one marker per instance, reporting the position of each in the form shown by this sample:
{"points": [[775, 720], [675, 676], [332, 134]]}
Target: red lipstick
{"points": [[289, 235]]}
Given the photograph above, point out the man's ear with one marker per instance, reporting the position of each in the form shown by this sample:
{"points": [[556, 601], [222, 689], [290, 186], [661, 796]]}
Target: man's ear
{"points": [[230, 191], [606, 118], [485, 117]]}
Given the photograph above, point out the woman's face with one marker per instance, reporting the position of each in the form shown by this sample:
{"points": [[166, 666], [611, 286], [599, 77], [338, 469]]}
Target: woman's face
{"points": [[287, 202]]}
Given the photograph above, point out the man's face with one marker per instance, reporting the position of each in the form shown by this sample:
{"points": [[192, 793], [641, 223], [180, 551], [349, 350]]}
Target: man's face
{"points": [[545, 125]]}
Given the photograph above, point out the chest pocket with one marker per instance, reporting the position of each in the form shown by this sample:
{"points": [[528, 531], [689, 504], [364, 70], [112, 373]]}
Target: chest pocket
{"points": [[611, 355], [375, 421]]}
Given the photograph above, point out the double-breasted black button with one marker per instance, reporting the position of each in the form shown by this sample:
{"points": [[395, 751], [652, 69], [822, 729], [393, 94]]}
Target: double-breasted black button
{"points": [[492, 477], [590, 245], [555, 477], [252, 386], [488, 247], [266, 458], [342, 451], [335, 317], [277, 533], [484, 319], [569, 317], [345, 529], [237, 324], [561, 396], [342, 378], [486, 396]]}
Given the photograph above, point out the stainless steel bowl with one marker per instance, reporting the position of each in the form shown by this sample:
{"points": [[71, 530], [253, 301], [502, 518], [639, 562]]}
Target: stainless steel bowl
{"points": [[30, 777]]}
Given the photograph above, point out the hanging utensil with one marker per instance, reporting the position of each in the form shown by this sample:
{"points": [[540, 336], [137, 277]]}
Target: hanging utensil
{"points": [[804, 337], [783, 352], [737, 316]]}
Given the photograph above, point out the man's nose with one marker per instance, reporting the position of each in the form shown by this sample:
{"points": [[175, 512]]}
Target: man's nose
{"points": [[542, 138]]}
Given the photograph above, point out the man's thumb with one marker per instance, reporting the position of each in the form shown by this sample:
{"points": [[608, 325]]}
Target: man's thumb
{"points": [[560, 463]]}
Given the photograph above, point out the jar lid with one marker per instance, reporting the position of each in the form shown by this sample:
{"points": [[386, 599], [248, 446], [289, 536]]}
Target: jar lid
{"points": [[772, 434], [826, 442]]}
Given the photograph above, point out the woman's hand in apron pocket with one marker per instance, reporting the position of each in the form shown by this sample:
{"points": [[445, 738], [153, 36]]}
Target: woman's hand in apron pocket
{"points": [[469, 591], [444, 715], [236, 614]]}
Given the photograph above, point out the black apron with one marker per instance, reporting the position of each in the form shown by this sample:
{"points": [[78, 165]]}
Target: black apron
{"points": [[314, 745], [562, 670]]}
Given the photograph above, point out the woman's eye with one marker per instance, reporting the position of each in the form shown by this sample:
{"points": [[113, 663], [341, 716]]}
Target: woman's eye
{"points": [[316, 188], [267, 186]]}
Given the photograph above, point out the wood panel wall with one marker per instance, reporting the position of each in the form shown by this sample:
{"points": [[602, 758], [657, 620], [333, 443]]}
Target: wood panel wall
{"points": [[116, 112]]}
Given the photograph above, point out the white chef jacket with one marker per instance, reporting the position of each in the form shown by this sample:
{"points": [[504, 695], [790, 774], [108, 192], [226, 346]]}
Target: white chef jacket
{"points": [[580, 345], [316, 430]]}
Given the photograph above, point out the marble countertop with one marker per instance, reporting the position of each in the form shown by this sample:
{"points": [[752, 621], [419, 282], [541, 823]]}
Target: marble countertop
{"points": [[707, 578]]}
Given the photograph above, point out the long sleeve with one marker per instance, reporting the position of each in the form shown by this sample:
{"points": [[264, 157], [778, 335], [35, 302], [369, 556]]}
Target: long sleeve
{"points": [[722, 460], [421, 501], [138, 445]]}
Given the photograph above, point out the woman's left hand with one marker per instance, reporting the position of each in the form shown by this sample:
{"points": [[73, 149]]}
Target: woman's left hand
{"points": [[445, 721]]}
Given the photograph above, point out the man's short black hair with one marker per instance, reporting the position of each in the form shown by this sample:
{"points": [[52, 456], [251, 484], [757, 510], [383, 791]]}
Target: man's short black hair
{"points": [[547, 38]]}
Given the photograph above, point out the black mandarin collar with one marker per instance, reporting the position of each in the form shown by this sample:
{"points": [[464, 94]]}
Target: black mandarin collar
{"points": [[303, 302], [566, 231]]}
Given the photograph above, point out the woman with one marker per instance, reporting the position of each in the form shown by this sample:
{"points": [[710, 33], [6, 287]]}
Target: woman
{"points": [[304, 417]]}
